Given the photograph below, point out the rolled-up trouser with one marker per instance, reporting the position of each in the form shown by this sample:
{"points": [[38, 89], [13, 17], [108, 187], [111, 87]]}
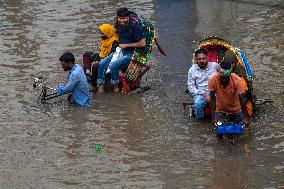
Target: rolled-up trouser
{"points": [[114, 67], [119, 64], [199, 103], [103, 64]]}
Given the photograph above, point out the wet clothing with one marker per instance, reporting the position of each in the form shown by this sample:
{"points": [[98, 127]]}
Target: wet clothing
{"points": [[77, 85], [114, 67], [227, 100], [130, 33], [199, 104], [198, 84]]}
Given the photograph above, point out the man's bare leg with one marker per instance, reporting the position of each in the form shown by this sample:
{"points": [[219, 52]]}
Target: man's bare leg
{"points": [[115, 88], [101, 89]]}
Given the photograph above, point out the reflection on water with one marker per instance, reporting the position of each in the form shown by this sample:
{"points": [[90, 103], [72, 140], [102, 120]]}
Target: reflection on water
{"points": [[148, 140]]}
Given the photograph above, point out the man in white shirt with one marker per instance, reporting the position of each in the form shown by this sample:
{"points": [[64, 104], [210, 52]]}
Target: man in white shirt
{"points": [[198, 76]]}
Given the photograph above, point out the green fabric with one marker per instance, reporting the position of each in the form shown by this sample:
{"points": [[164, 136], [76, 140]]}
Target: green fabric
{"points": [[240, 70], [230, 57], [226, 72]]}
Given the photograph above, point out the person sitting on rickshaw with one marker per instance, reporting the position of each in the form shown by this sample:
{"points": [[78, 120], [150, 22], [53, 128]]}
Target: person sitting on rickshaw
{"points": [[240, 70], [197, 82], [130, 37], [108, 44]]}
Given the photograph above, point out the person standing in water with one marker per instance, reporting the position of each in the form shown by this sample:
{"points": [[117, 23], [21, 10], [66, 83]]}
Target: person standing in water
{"points": [[77, 83]]}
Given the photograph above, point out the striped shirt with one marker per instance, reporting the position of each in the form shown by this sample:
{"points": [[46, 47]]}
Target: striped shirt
{"points": [[197, 82]]}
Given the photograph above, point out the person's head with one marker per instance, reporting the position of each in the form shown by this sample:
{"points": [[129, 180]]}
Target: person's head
{"points": [[231, 58], [67, 61], [123, 16], [201, 58], [225, 70], [107, 31]]}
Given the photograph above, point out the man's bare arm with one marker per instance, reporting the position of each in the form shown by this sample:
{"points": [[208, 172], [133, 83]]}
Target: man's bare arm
{"points": [[141, 43]]}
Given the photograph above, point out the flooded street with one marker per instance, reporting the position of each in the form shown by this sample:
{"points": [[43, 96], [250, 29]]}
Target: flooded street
{"points": [[148, 140]]}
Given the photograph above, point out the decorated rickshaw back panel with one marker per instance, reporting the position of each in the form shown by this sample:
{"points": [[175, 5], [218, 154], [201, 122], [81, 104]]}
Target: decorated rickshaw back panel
{"points": [[141, 55]]}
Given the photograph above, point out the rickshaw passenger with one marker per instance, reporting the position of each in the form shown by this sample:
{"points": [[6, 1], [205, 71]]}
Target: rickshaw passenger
{"points": [[240, 70], [130, 37], [108, 44], [197, 83]]}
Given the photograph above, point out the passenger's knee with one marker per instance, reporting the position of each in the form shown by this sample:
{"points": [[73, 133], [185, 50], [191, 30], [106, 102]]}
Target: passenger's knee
{"points": [[113, 66], [199, 102], [104, 61]]}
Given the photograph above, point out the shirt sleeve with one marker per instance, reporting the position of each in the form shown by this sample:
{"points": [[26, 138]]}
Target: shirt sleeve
{"points": [[191, 83], [138, 34], [73, 79], [211, 84]]}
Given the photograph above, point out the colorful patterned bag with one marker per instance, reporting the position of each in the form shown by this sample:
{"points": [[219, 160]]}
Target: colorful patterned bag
{"points": [[137, 66]]}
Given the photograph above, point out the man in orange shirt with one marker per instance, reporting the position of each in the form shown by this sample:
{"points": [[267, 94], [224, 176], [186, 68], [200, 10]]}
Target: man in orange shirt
{"points": [[227, 96]]}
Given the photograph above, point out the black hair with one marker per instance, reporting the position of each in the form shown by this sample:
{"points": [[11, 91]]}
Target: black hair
{"points": [[199, 51], [67, 57], [225, 65], [123, 12]]}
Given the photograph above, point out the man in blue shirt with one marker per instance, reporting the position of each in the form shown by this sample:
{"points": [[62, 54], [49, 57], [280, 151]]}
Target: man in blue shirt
{"points": [[198, 76], [77, 83], [130, 37]]}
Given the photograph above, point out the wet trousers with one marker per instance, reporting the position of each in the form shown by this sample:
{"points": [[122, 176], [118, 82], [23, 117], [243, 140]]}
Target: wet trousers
{"points": [[114, 67]]}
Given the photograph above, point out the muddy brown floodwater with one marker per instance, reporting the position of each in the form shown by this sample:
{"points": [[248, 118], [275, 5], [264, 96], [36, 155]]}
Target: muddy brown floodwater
{"points": [[148, 140]]}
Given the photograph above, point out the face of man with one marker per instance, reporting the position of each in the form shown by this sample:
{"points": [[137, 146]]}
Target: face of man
{"points": [[201, 60], [224, 75], [123, 21], [65, 65]]}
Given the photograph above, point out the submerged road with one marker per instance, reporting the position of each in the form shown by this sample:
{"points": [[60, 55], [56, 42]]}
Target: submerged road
{"points": [[147, 140]]}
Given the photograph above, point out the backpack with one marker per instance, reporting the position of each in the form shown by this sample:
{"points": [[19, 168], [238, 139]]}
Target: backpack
{"points": [[138, 67], [144, 54]]}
